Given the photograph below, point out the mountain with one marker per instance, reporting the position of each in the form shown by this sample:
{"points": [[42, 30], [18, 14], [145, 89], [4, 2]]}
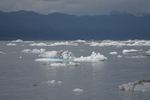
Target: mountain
{"points": [[29, 25]]}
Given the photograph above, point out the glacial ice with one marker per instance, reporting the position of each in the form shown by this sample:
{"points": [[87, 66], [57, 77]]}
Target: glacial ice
{"points": [[121, 43], [77, 90], [11, 44], [69, 56], [35, 51], [113, 53], [18, 40], [64, 43], [38, 44], [1, 52], [143, 85], [65, 55], [131, 51], [94, 57]]}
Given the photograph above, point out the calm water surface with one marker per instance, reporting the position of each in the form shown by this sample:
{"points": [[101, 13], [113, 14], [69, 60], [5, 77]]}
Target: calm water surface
{"points": [[25, 79]]}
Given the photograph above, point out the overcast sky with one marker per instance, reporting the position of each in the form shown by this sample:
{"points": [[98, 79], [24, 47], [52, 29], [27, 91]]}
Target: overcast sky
{"points": [[77, 7]]}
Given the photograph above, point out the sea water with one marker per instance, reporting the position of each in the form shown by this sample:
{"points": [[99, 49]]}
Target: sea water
{"points": [[22, 78]]}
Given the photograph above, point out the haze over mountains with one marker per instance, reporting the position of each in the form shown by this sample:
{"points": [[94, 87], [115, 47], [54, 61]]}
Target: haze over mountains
{"points": [[30, 25]]}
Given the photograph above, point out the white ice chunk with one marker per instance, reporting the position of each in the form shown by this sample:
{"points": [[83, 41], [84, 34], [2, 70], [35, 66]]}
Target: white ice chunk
{"points": [[113, 53], [77, 90], [119, 56], [35, 51], [11, 44], [2, 52], [143, 85], [95, 57], [65, 55], [131, 51], [38, 44], [18, 40], [64, 43]]}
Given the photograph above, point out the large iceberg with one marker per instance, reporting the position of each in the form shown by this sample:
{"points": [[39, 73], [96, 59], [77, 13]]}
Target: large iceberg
{"points": [[69, 56], [143, 85]]}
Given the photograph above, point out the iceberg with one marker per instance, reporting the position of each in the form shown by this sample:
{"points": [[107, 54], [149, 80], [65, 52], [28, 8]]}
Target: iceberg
{"points": [[94, 57], [35, 51], [77, 90], [69, 57], [18, 40], [113, 53], [131, 51], [64, 43], [38, 44], [1, 52], [143, 85], [11, 44]]}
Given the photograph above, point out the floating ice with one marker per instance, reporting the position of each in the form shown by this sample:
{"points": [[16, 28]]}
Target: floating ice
{"points": [[131, 51], [64, 64], [113, 53], [11, 44], [2, 52], [119, 56], [53, 82], [148, 52], [69, 56], [64, 43], [77, 90], [18, 40], [121, 43], [64, 55], [35, 51], [95, 57], [143, 85], [38, 44]]}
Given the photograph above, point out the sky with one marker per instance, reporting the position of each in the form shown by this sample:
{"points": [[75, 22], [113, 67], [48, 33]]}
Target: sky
{"points": [[77, 7]]}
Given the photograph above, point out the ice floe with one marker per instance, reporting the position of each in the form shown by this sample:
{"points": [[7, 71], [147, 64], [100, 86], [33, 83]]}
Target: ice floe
{"points": [[1, 52], [143, 85], [18, 40], [53, 82], [120, 43], [11, 44], [69, 56], [65, 55], [38, 44], [77, 90], [64, 43], [65, 64], [113, 53], [131, 51], [35, 51], [94, 57]]}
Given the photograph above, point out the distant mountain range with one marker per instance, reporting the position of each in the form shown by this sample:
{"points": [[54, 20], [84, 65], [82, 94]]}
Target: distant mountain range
{"points": [[30, 25]]}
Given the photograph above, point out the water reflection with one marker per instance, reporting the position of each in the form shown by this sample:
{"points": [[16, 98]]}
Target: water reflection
{"points": [[134, 95]]}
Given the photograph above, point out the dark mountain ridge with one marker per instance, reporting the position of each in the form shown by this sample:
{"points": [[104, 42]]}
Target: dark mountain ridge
{"points": [[29, 25]]}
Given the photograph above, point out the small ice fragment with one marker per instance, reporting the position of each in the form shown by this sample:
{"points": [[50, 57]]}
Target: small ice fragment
{"points": [[77, 90], [113, 53], [119, 56]]}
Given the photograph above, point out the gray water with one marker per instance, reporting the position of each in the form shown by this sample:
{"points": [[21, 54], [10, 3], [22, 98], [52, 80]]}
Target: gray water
{"points": [[25, 79]]}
